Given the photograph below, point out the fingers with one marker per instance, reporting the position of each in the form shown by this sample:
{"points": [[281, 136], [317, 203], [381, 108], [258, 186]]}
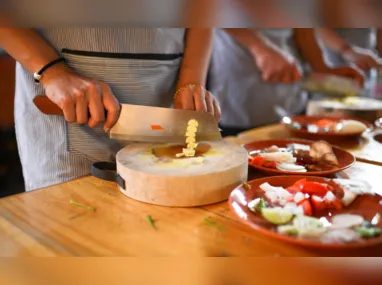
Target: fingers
{"points": [[185, 99], [286, 75], [81, 107], [217, 110], [69, 109], [200, 99], [367, 62], [96, 109], [213, 106], [209, 103], [111, 105]]}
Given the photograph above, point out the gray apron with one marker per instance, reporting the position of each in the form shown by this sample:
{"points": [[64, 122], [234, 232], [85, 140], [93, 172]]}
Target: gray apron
{"points": [[141, 66], [246, 100]]}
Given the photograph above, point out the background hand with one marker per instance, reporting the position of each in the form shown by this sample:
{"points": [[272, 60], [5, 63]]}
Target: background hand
{"points": [[349, 72], [362, 58], [277, 66]]}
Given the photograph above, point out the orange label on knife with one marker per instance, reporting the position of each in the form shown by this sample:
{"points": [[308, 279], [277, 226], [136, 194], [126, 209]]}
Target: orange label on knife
{"points": [[157, 128]]}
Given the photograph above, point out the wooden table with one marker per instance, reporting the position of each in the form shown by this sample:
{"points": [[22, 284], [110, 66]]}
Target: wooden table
{"points": [[43, 223]]}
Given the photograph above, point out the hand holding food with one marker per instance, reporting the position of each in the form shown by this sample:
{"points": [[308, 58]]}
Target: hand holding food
{"points": [[349, 72], [78, 96], [192, 97]]}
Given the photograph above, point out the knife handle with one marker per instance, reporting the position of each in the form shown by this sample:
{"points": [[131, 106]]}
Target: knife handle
{"points": [[46, 106]]}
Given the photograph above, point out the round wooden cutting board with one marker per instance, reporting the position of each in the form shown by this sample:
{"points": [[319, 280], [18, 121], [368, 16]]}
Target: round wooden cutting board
{"points": [[153, 174]]}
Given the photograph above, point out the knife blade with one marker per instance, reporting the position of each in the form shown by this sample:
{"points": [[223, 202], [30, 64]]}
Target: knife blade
{"points": [[150, 124]]}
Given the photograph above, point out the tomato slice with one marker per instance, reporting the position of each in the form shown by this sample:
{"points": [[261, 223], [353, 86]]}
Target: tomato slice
{"points": [[314, 188], [324, 123], [269, 164], [293, 189], [258, 160], [290, 198], [300, 183], [308, 211], [336, 204], [318, 203]]}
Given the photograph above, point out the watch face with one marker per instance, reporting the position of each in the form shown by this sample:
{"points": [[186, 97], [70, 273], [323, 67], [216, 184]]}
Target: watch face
{"points": [[37, 76]]}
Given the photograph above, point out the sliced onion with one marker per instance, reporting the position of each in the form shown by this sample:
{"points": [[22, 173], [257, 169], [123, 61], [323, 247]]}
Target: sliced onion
{"points": [[356, 186], [290, 167], [346, 220], [348, 198], [330, 196], [278, 156], [340, 235]]}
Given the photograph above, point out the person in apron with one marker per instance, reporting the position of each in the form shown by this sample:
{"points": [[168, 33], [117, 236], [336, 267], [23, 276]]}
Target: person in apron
{"points": [[254, 76], [251, 89], [103, 67]]}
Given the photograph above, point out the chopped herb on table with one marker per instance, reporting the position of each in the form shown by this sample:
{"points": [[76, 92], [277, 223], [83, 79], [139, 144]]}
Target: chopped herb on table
{"points": [[151, 221], [82, 205], [257, 205], [213, 224], [246, 186]]}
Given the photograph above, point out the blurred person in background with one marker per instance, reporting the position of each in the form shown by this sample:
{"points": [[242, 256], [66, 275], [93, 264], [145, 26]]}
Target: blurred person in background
{"points": [[254, 73], [350, 46], [103, 67]]}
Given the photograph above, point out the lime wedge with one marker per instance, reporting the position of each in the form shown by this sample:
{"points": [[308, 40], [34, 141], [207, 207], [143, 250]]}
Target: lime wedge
{"points": [[277, 215], [287, 230]]}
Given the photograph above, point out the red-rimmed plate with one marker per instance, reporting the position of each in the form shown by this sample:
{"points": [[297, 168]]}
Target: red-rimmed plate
{"points": [[345, 158], [297, 126], [368, 206]]}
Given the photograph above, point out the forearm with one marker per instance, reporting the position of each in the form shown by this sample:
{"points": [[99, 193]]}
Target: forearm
{"points": [[309, 49], [27, 47], [333, 40], [252, 40], [197, 56]]}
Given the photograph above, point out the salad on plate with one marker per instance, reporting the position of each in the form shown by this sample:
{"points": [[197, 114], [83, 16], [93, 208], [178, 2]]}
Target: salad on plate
{"points": [[318, 156], [314, 210]]}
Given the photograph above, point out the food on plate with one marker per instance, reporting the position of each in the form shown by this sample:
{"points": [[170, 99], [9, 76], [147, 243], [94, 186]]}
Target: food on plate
{"points": [[318, 156], [352, 103], [192, 128], [294, 210], [344, 126], [277, 215], [352, 126]]}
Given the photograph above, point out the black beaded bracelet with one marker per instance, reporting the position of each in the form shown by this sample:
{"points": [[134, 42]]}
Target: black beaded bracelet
{"points": [[38, 75]]}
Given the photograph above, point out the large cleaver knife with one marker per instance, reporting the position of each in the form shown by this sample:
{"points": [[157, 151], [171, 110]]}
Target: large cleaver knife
{"points": [[149, 124]]}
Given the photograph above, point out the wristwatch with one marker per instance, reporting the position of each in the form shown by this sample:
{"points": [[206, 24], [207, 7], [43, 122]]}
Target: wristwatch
{"points": [[38, 75]]}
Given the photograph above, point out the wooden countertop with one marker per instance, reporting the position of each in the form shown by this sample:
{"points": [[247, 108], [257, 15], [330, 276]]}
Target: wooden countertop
{"points": [[43, 223]]}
